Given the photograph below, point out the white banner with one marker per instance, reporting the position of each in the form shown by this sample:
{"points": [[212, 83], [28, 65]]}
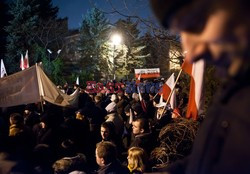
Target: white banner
{"points": [[19, 88], [30, 86], [148, 73]]}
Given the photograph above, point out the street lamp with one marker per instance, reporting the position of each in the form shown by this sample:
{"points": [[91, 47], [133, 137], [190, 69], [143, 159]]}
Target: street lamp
{"points": [[58, 51], [49, 64], [116, 40], [50, 52]]}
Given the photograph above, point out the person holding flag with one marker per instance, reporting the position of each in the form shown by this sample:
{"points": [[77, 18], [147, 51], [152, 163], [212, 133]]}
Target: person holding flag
{"points": [[218, 32]]}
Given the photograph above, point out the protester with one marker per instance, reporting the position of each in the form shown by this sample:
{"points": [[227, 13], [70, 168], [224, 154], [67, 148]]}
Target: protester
{"points": [[113, 116], [121, 104], [217, 31], [142, 135], [70, 159], [100, 104], [77, 129], [31, 117], [48, 131], [16, 124], [112, 106], [70, 164], [108, 133], [107, 160], [163, 115], [43, 158], [137, 160]]}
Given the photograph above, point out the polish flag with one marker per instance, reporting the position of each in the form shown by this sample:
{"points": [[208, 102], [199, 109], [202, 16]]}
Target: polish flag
{"points": [[3, 70], [143, 104], [167, 87], [22, 62], [139, 79], [26, 60], [196, 72]]}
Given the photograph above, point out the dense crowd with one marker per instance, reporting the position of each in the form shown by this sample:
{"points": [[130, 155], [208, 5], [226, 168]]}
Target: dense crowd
{"points": [[116, 132], [111, 131]]}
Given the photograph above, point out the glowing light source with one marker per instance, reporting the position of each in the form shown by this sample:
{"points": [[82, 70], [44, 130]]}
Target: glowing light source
{"points": [[116, 39]]}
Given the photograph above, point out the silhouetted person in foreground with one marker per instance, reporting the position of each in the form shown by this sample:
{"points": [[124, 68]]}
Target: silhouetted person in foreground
{"points": [[217, 31]]}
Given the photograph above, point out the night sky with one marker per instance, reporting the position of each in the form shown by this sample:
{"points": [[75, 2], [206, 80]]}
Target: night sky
{"points": [[76, 9]]}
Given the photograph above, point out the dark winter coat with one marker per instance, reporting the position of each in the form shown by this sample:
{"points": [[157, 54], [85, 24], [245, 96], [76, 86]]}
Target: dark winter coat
{"points": [[114, 167], [222, 144], [145, 141]]}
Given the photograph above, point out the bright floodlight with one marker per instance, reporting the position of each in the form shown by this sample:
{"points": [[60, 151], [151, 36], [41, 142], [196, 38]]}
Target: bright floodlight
{"points": [[116, 39]]}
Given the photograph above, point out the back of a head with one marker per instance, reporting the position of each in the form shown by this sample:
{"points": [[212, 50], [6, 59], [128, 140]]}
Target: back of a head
{"points": [[98, 98], [137, 108], [30, 107], [135, 96], [68, 148], [127, 108], [16, 118], [107, 151], [43, 154], [137, 159], [120, 94], [70, 164]]}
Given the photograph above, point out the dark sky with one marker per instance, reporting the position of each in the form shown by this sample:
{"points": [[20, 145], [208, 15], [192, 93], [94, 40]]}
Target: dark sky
{"points": [[76, 9]]}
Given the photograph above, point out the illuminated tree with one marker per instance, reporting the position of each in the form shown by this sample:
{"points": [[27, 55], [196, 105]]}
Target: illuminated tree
{"points": [[93, 37]]}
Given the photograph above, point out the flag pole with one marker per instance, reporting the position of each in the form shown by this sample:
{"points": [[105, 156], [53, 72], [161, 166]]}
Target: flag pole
{"points": [[40, 88], [155, 95], [42, 104], [171, 92]]}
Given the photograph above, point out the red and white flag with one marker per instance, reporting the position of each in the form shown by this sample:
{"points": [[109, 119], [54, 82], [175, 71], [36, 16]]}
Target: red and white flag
{"points": [[22, 62], [138, 79], [143, 104], [167, 87], [147, 73], [196, 72], [26, 60], [3, 70], [77, 80]]}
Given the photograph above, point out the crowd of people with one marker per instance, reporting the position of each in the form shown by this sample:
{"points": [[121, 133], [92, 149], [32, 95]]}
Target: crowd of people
{"points": [[107, 132], [87, 139]]}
